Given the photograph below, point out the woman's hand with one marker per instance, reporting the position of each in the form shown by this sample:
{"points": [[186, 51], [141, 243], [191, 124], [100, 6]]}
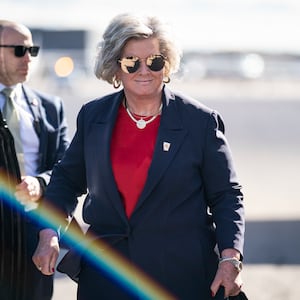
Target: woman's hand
{"points": [[47, 252], [227, 276]]}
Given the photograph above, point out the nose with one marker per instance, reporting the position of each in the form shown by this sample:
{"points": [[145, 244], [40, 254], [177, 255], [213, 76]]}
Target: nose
{"points": [[27, 56], [143, 66]]}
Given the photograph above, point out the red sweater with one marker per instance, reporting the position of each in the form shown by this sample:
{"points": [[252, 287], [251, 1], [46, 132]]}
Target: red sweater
{"points": [[131, 154]]}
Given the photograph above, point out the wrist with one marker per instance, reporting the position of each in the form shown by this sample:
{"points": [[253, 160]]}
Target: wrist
{"points": [[48, 233], [238, 265], [43, 186], [231, 252]]}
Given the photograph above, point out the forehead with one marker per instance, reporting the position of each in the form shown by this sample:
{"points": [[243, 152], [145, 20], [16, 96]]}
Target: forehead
{"points": [[16, 36], [141, 47]]}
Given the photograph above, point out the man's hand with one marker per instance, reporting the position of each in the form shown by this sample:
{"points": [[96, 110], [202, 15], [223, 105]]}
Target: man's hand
{"points": [[29, 190]]}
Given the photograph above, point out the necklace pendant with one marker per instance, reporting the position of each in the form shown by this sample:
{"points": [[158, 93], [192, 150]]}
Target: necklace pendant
{"points": [[141, 124]]}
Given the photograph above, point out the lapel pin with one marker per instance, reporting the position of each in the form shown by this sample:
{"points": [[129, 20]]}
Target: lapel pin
{"points": [[34, 102], [166, 146]]}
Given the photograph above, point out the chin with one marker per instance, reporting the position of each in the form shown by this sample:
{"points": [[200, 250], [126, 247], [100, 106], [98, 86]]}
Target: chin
{"points": [[24, 77]]}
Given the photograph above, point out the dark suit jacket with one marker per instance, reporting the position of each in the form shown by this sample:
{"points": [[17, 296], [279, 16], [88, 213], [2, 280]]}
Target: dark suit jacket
{"points": [[51, 126], [170, 234]]}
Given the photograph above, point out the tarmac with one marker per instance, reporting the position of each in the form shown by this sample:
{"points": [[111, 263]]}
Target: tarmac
{"points": [[262, 126]]}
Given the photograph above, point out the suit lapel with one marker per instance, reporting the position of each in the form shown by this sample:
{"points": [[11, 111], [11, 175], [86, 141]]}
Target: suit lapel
{"points": [[34, 104], [170, 137], [100, 134], [40, 123]]}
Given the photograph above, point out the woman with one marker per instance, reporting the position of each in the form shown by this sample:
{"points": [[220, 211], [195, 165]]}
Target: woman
{"points": [[159, 174]]}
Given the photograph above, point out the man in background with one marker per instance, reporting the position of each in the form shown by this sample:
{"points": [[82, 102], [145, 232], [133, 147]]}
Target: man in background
{"points": [[38, 125]]}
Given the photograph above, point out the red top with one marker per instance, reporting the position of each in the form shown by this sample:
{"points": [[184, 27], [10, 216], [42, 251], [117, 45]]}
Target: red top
{"points": [[131, 154]]}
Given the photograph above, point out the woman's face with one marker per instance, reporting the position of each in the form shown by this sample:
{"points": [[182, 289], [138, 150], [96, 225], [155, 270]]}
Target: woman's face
{"points": [[143, 83]]}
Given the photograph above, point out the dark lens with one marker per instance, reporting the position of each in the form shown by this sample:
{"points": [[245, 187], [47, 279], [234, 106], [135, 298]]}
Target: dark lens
{"points": [[34, 51], [134, 68], [156, 63], [129, 64], [20, 51]]}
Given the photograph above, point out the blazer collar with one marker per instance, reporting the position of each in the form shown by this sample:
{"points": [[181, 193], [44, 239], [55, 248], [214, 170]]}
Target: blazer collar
{"points": [[171, 135], [101, 131]]}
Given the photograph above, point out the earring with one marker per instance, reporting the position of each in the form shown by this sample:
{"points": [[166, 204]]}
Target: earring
{"points": [[166, 79], [116, 82]]}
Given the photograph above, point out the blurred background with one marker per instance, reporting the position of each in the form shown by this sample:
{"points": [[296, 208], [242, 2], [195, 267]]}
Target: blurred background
{"points": [[241, 58]]}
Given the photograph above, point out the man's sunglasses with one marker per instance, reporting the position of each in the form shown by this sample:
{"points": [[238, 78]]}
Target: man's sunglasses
{"points": [[132, 63], [21, 50]]}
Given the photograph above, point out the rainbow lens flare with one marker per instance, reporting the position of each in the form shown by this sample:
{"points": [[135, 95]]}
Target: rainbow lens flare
{"points": [[119, 269]]}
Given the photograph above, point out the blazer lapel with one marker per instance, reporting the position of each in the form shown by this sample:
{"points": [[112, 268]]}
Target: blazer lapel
{"points": [[101, 132], [171, 134]]}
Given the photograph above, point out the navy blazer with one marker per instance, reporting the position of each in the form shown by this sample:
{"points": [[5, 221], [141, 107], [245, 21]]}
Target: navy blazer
{"points": [[191, 201]]}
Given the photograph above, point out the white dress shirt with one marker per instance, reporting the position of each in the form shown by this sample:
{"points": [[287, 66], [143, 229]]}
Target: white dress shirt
{"points": [[30, 140]]}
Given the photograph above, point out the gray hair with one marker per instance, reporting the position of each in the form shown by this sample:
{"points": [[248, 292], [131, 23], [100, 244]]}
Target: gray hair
{"points": [[125, 27]]}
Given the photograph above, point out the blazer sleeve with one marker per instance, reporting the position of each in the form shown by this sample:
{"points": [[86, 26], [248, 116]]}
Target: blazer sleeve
{"points": [[223, 191], [68, 180]]}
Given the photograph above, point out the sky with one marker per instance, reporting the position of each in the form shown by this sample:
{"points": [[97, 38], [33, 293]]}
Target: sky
{"points": [[262, 25]]}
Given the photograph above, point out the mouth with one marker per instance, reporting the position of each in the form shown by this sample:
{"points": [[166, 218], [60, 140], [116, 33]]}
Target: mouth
{"points": [[24, 71], [144, 81]]}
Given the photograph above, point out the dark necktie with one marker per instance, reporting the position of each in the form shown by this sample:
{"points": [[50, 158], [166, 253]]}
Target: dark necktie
{"points": [[11, 115]]}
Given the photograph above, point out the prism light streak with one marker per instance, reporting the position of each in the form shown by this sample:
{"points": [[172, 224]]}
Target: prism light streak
{"points": [[120, 269]]}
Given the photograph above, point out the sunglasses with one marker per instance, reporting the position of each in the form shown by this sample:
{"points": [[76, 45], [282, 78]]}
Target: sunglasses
{"points": [[21, 50], [131, 64]]}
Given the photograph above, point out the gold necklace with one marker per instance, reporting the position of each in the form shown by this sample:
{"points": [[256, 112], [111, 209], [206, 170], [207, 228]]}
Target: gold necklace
{"points": [[141, 123]]}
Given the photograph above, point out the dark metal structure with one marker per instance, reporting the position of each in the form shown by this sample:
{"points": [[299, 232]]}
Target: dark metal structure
{"points": [[12, 234]]}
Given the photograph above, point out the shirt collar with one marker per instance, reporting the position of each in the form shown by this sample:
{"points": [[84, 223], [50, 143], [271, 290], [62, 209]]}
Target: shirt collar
{"points": [[17, 88], [18, 91]]}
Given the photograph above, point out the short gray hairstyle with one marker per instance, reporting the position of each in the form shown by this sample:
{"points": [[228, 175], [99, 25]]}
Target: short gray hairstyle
{"points": [[125, 27]]}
